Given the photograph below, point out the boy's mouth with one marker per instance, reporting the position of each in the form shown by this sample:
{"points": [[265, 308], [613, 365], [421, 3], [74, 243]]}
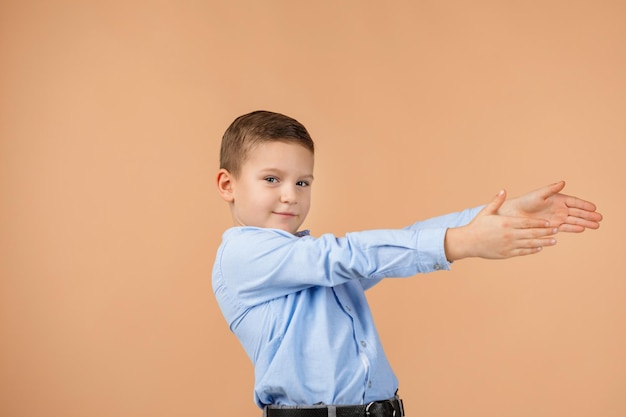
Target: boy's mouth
{"points": [[284, 214]]}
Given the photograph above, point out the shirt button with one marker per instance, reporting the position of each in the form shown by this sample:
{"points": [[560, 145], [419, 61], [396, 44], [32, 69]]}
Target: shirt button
{"points": [[348, 308], [369, 384], [363, 343], [437, 267]]}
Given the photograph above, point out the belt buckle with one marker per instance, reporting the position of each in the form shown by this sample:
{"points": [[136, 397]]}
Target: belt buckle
{"points": [[367, 408]]}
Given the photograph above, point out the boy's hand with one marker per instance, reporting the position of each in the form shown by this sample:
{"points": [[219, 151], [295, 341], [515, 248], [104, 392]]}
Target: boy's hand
{"points": [[494, 236], [569, 214]]}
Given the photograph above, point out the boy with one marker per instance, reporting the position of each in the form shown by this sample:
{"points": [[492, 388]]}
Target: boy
{"points": [[297, 303]]}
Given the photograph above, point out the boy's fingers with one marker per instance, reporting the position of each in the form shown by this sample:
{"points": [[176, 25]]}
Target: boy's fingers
{"points": [[531, 246], [550, 190], [538, 233], [577, 221], [531, 249], [535, 232], [495, 204], [572, 228], [578, 203], [575, 213], [526, 251], [528, 223], [538, 243]]}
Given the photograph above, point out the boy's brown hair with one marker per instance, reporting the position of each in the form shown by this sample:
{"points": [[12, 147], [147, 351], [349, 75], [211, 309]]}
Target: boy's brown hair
{"points": [[260, 126]]}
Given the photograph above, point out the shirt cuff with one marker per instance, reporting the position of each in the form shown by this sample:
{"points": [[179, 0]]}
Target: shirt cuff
{"points": [[431, 255]]}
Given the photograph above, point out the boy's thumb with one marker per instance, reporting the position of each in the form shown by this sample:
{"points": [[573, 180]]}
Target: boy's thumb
{"points": [[496, 203]]}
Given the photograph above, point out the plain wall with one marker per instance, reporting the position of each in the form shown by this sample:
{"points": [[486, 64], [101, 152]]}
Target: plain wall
{"points": [[111, 114]]}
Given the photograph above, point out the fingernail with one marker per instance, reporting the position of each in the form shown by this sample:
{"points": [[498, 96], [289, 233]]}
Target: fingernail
{"points": [[555, 230]]}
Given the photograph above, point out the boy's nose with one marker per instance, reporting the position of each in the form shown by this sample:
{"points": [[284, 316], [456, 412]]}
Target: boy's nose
{"points": [[288, 195]]}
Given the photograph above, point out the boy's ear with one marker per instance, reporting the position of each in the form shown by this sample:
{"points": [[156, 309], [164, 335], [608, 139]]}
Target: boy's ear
{"points": [[225, 185]]}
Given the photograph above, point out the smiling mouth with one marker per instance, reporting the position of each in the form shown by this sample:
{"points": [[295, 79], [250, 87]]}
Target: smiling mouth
{"points": [[285, 214]]}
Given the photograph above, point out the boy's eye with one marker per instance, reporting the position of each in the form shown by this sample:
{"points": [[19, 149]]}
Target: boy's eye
{"points": [[302, 183], [271, 179]]}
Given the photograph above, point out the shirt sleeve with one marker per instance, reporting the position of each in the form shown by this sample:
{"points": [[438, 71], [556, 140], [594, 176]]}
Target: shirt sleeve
{"points": [[436, 223], [259, 264], [458, 219]]}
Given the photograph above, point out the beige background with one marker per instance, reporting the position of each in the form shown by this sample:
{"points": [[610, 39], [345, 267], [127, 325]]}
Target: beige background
{"points": [[111, 114]]}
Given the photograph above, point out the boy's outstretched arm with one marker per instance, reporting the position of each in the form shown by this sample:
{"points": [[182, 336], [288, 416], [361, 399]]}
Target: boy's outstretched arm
{"points": [[492, 235], [568, 213]]}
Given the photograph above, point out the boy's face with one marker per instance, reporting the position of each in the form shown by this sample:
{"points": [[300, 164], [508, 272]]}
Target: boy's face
{"points": [[273, 188]]}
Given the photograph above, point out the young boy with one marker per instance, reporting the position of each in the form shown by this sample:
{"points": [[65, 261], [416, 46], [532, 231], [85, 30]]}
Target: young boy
{"points": [[297, 303]]}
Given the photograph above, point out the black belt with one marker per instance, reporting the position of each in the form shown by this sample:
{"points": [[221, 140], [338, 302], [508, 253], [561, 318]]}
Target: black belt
{"points": [[386, 408]]}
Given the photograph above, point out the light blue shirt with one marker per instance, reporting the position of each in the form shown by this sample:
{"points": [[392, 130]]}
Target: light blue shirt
{"points": [[298, 306]]}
